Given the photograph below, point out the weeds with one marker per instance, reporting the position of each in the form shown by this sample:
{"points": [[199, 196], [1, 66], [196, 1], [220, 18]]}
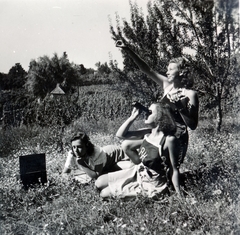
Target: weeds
{"points": [[211, 204]]}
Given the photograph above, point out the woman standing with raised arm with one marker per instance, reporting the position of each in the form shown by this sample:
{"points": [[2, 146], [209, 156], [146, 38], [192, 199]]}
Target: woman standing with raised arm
{"points": [[183, 101]]}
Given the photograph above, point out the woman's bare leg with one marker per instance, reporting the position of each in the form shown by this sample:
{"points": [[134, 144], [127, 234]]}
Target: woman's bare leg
{"points": [[102, 182]]}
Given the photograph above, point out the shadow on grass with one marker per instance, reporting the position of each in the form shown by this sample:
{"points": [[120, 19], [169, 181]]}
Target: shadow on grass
{"points": [[207, 179]]}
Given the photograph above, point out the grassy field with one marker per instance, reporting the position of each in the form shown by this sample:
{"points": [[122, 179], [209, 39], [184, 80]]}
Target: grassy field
{"points": [[211, 205]]}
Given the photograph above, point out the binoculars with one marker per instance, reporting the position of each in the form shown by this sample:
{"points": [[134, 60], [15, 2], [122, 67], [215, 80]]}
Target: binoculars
{"points": [[139, 106]]}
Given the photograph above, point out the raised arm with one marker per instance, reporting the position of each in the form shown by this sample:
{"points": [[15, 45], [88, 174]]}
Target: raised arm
{"points": [[123, 131], [67, 166], [143, 66]]}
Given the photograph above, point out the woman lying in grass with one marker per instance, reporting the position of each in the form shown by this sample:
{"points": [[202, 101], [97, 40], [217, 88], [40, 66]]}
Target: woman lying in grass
{"points": [[154, 159], [86, 158]]}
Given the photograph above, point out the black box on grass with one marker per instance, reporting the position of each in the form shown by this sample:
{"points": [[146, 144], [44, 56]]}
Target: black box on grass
{"points": [[33, 169]]}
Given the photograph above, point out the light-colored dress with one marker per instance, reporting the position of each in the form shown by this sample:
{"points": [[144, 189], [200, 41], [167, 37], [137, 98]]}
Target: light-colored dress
{"points": [[149, 178]]}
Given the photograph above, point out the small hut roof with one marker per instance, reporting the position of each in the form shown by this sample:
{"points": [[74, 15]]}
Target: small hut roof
{"points": [[57, 91]]}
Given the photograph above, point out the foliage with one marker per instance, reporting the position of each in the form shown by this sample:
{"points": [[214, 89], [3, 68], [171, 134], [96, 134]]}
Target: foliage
{"points": [[15, 78], [211, 205], [213, 34], [12, 104], [204, 32], [103, 101], [103, 68], [142, 37], [95, 102], [45, 73]]}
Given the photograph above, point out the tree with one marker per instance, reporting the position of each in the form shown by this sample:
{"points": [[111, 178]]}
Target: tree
{"points": [[3, 79], [15, 78], [213, 36], [204, 32], [143, 36], [82, 69], [103, 69], [103, 73], [45, 73]]}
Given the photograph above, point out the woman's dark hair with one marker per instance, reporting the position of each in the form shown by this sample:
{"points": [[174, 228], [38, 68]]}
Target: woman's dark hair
{"points": [[183, 71], [166, 122], [81, 135]]}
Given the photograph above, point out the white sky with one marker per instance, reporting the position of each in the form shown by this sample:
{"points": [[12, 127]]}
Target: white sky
{"points": [[30, 29]]}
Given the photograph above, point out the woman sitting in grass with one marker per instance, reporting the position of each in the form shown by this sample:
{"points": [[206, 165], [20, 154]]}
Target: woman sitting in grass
{"points": [[154, 157], [89, 161]]}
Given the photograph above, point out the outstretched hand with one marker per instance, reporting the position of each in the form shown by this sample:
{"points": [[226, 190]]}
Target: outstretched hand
{"points": [[119, 43]]}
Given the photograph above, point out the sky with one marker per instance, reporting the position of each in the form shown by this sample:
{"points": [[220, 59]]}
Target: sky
{"points": [[30, 29]]}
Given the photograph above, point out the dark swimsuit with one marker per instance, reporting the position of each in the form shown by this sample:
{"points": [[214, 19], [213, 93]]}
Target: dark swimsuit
{"points": [[150, 157], [181, 132]]}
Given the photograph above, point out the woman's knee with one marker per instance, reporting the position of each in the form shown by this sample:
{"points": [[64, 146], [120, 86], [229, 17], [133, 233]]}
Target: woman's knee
{"points": [[105, 192], [101, 182], [126, 145], [98, 182]]}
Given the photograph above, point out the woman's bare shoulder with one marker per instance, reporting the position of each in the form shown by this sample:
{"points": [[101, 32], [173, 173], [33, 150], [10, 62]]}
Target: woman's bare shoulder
{"points": [[190, 92], [170, 140]]}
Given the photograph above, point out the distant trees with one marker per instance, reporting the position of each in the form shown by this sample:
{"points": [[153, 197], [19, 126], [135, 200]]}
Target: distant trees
{"points": [[13, 96], [15, 78], [45, 73], [33, 103], [103, 69], [204, 32]]}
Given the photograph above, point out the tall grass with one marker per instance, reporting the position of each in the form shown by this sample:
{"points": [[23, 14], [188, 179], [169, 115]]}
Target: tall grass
{"points": [[211, 205]]}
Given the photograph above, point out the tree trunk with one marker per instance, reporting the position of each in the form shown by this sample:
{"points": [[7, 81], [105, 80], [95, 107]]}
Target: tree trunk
{"points": [[219, 110]]}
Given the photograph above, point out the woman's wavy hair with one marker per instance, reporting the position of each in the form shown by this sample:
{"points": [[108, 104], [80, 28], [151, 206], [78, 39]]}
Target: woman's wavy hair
{"points": [[183, 71], [81, 135], [165, 120]]}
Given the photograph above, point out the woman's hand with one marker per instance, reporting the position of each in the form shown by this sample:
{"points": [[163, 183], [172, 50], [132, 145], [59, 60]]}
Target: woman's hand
{"points": [[135, 113], [179, 100], [176, 96], [119, 43], [188, 106]]}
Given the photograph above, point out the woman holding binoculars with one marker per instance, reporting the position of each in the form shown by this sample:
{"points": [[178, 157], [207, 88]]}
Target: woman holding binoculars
{"points": [[151, 149]]}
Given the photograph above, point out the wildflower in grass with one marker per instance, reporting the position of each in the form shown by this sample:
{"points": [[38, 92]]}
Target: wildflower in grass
{"points": [[191, 200], [217, 192], [185, 225]]}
